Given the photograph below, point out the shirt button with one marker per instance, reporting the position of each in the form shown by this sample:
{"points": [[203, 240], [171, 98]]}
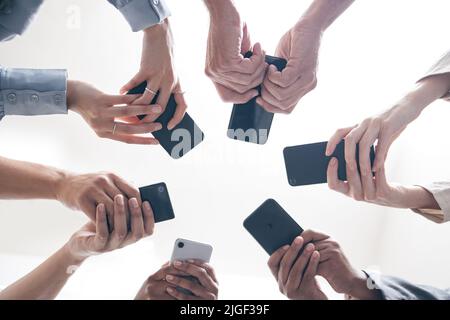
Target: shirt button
{"points": [[12, 98], [155, 2], [58, 98], [35, 98]]}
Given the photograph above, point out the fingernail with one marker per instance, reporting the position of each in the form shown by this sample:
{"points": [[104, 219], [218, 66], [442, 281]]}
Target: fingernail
{"points": [[101, 208], [120, 200], [169, 278], [170, 126], [156, 109], [298, 240], [191, 261], [286, 247], [134, 203], [310, 247], [146, 205], [334, 161], [170, 290], [177, 263], [158, 126]]}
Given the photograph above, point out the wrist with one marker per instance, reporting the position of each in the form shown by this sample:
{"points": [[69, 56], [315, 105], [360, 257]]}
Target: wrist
{"points": [[221, 11], [60, 184], [70, 260], [421, 198], [157, 29], [71, 94], [360, 288]]}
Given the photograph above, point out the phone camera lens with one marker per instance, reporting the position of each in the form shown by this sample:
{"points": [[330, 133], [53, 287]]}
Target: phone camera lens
{"points": [[180, 244], [161, 189]]}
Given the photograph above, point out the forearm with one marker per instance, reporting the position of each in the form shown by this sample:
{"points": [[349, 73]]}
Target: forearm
{"points": [[322, 13], [222, 10], [46, 281], [25, 180]]}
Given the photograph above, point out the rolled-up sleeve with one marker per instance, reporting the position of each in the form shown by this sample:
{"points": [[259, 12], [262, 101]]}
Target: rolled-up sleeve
{"points": [[442, 66], [392, 288], [142, 14], [441, 193], [32, 92]]}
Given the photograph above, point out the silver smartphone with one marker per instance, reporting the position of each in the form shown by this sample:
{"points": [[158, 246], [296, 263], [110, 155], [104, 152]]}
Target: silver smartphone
{"points": [[184, 249]]}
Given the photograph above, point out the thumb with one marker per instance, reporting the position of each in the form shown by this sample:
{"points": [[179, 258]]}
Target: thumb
{"points": [[246, 44]]}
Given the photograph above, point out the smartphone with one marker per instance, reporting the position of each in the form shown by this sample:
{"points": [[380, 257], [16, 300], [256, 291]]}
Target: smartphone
{"points": [[181, 139], [249, 122], [158, 197], [272, 227], [184, 249], [307, 164]]}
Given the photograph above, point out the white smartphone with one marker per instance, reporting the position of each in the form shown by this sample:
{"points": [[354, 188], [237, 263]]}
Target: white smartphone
{"points": [[187, 249]]}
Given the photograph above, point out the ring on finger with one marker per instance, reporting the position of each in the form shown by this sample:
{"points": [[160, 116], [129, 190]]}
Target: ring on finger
{"points": [[114, 128], [150, 90]]}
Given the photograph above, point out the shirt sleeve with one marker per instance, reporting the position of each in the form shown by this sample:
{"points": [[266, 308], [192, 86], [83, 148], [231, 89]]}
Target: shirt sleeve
{"points": [[441, 193], [392, 288], [442, 66], [142, 14], [32, 92]]}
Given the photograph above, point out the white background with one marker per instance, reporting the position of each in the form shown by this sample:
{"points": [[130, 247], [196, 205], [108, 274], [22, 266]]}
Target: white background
{"points": [[369, 58]]}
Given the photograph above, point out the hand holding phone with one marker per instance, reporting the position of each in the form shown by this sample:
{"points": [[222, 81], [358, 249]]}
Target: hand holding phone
{"points": [[307, 164], [249, 122], [181, 139]]}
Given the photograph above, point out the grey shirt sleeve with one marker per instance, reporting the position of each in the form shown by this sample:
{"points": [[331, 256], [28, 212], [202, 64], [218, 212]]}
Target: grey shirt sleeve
{"points": [[442, 66], [32, 91], [142, 14], [441, 193], [392, 288]]}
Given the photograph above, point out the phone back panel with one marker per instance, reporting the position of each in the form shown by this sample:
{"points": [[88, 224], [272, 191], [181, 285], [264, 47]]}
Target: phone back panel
{"points": [[187, 249], [272, 227]]}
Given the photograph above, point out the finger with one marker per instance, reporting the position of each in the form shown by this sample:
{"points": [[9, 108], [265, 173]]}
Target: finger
{"points": [[251, 65], [380, 179], [368, 183], [337, 137], [149, 219], [108, 202], [269, 107], [120, 220], [288, 260], [179, 295], [140, 128], [101, 228], [383, 145], [137, 221], [164, 96], [134, 82], [165, 270], [131, 139], [180, 111], [129, 190], [231, 96], [311, 269], [249, 81], [275, 259], [207, 267], [299, 268], [117, 100], [148, 96], [285, 78], [333, 178], [351, 140], [313, 236], [198, 272], [134, 111], [195, 288]]}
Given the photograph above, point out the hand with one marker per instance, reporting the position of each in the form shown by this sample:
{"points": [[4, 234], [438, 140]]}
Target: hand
{"points": [[162, 285], [281, 91], [295, 268], [340, 274], [102, 112], [234, 76], [85, 192], [158, 69], [94, 239]]}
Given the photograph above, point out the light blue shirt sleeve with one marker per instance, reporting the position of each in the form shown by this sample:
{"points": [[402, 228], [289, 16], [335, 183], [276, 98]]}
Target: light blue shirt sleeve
{"points": [[142, 14], [30, 92]]}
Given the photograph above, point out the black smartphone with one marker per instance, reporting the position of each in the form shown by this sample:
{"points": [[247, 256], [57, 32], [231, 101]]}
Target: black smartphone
{"points": [[181, 139], [307, 164], [158, 197], [249, 122], [272, 227]]}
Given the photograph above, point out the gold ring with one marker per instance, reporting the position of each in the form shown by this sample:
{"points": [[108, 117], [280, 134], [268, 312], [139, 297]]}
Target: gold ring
{"points": [[151, 91]]}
